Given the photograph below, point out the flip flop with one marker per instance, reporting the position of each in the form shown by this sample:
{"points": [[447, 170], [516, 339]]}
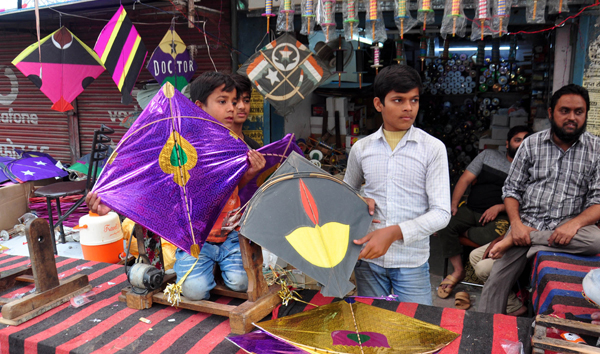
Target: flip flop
{"points": [[462, 300], [445, 292]]}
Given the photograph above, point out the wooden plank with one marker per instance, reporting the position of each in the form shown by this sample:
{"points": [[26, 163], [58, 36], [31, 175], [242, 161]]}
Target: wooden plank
{"points": [[9, 278], [242, 318], [200, 306], [26, 279], [34, 302], [48, 306], [568, 325], [225, 291], [41, 252], [253, 260], [562, 346]]}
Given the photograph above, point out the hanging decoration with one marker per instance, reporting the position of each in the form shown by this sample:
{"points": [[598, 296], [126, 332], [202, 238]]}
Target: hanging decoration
{"points": [[122, 52], [425, 13], [351, 20], [558, 6], [360, 63], [535, 11], [400, 59], [481, 23], [454, 21], [376, 59], [375, 28], [423, 51], [268, 13], [65, 67], [308, 14], [308, 218], [339, 61], [285, 19], [404, 21], [501, 17], [171, 61], [327, 17], [285, 71]]}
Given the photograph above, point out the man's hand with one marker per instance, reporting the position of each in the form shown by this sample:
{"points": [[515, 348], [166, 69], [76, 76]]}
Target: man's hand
{"points": [[489, 248], [379, 241], [520, 234], [563, 234], [491, 213], [95, 205], [454, 209]]}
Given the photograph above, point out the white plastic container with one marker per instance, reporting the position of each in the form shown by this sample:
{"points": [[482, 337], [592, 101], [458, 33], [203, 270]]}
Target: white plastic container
{"points": [[101, 237]]}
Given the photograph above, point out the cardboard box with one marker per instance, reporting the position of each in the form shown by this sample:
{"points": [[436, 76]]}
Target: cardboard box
{"points": [[519, 120], [500, 120], [14, 202], [487, 143], [499, 133]]}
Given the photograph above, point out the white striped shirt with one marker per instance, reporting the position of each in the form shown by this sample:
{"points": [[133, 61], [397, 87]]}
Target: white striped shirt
{"points": [[411, 189]]}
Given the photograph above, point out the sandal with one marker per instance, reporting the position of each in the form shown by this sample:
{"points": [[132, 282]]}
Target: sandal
{"points": [[462, 300], [445, 292]]}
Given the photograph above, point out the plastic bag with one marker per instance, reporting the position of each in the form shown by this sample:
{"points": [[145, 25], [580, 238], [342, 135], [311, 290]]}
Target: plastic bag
{"points": [[512, 347], [326, 18], [501, 11], [285, 18], [308, 8], [454, 21], [404, 21], [351, 20], [375, 28], [425, 14], [535, 11], [557, 6]]}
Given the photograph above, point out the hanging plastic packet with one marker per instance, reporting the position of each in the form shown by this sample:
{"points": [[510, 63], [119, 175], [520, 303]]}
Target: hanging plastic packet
{"points": [[375, 28], [425, 13], [326, 17], [454, 21], [557, 6], [285, 18], [268, 13], [501, 11], [308, 17], [351, 20], [404, 21], [482, 22], [535, 11]]}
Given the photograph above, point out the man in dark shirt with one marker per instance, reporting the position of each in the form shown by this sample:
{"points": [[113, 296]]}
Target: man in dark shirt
{"points": [[242, 108], [482, 218], [551, 194]]}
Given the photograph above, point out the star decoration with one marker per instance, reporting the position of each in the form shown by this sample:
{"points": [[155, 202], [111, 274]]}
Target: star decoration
{"points": [[40, 163], [285, 54], [173, 47], [28, 173], [272, 76]]}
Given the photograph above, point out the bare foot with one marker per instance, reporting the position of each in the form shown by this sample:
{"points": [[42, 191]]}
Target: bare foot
{"points": [[501, 247]]}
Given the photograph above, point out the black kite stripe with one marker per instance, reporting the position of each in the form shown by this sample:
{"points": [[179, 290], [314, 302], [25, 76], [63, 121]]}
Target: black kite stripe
{"points": [[116, 48]]}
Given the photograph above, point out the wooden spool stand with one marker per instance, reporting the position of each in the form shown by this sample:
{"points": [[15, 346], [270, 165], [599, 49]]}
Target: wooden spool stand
{"points": [[50, 292], [260, 299], [540, 342]]}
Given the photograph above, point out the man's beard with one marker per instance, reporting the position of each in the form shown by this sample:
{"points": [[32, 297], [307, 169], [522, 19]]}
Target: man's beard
{"points": [[511, 151], [565, 136]]}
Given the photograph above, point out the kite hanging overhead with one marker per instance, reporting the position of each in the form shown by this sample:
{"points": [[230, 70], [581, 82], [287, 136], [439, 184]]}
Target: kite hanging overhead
{"points": [[174, 170], [67, 67], [122, 51], [171, 61], [285, 71], [310, 219]]}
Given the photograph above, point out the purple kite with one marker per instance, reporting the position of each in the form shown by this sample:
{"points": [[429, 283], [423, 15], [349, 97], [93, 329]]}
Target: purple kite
{"points": [[67, 66], [274, 153], [30, 169]]}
